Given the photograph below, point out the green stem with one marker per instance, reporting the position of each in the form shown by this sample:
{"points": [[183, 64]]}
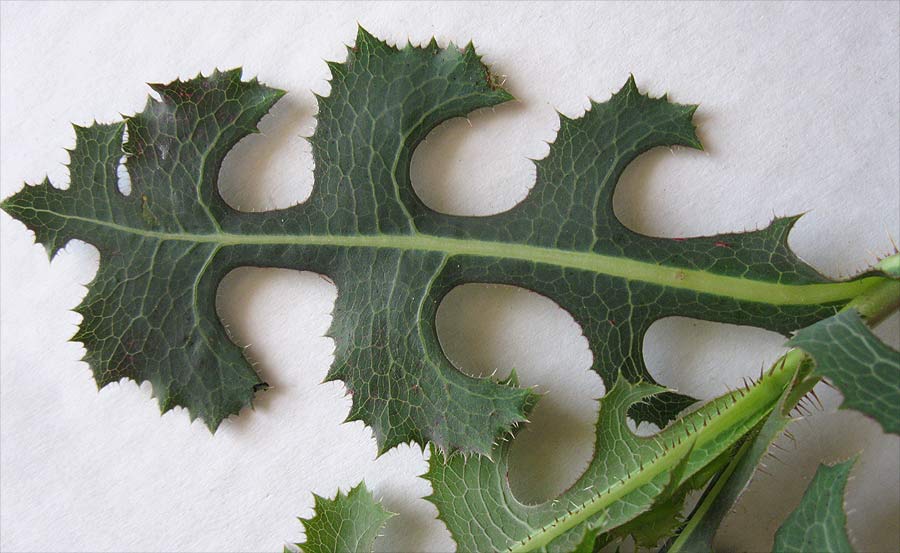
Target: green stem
{"points": [[878, 302], [874, 305], [735, 413]]}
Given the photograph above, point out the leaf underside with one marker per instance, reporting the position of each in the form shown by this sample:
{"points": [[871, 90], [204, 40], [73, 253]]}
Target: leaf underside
{"points": [[150, 315], [346, 524], [819, 523], [864, 369]]}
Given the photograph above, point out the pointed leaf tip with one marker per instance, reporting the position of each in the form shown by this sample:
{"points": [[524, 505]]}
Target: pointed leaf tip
{"points": [[365, 39]]}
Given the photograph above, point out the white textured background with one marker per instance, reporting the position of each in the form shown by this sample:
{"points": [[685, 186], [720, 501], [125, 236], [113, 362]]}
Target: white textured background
{"points": [[799, 112]]}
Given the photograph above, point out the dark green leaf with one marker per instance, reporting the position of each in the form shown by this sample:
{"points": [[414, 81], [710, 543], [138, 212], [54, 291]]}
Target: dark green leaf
{"points": [[150, 313]]}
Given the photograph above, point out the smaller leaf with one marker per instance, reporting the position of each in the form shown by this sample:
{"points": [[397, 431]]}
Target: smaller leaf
{"points": [[865, 369], [819, 522], [348, 523]]}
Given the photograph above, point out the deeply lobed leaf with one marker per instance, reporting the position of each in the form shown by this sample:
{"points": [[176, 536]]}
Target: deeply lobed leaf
{"points": [[150, 313]]}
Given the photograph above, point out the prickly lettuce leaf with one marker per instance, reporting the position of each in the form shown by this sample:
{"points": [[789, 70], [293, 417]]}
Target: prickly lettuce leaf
{"points": [[150, 315], [346, 524], [864, 369], [628, 478], [819, 523]]}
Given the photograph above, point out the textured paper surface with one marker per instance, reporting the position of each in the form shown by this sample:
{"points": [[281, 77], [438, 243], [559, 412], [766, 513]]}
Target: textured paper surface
{"points": [[799, 112]]}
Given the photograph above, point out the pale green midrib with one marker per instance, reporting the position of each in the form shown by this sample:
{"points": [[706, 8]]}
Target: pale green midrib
{"points": [[673, 277]]}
